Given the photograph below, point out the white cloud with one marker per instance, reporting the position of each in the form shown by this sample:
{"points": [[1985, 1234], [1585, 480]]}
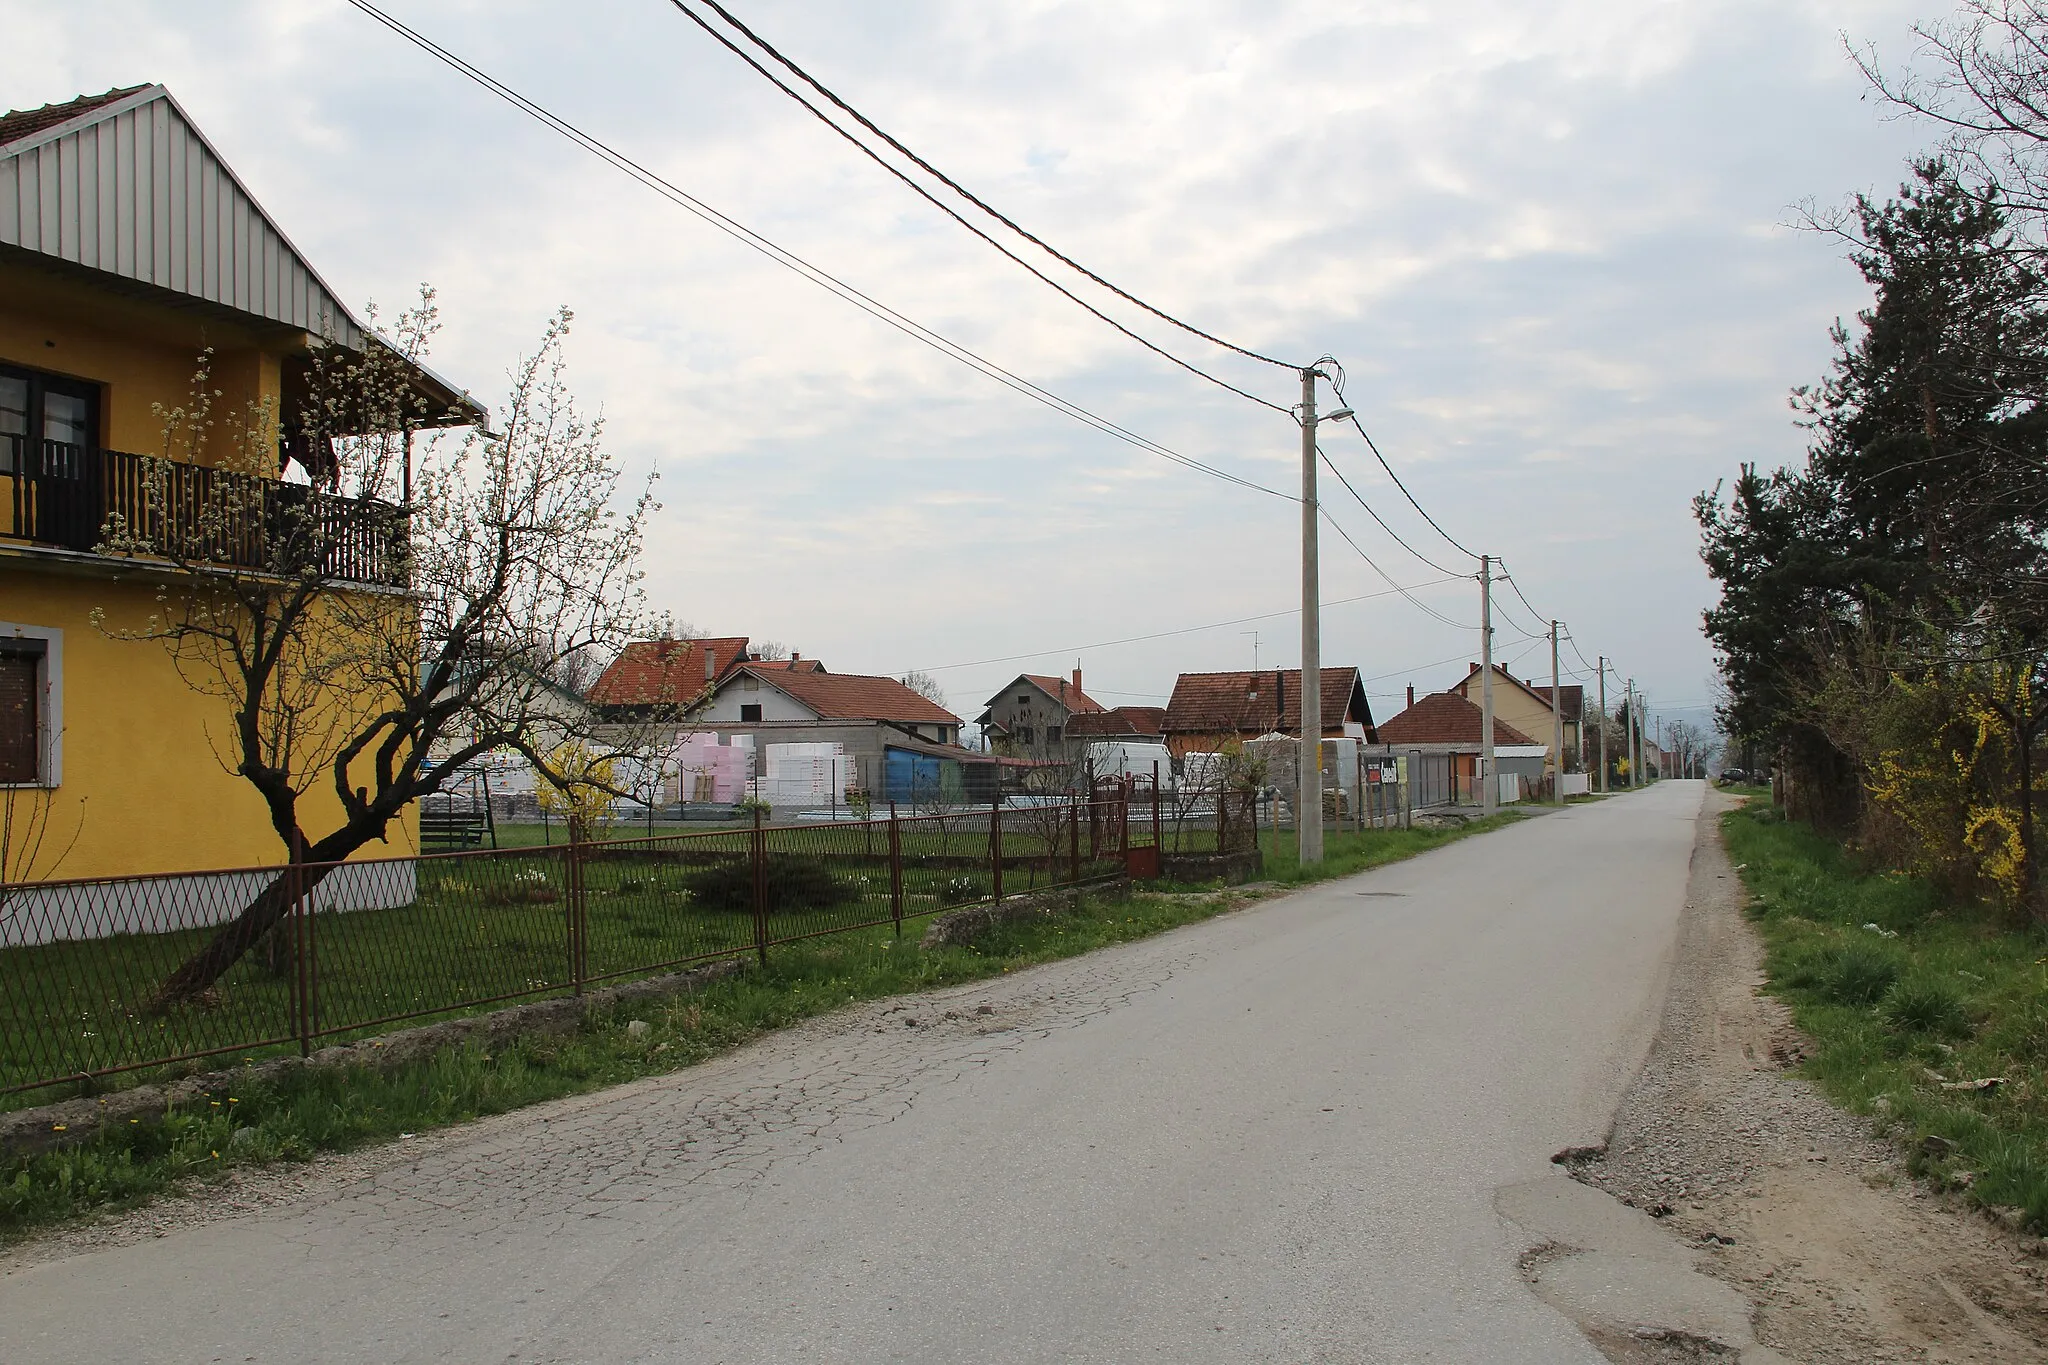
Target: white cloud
{"points": [[1543, 239]]}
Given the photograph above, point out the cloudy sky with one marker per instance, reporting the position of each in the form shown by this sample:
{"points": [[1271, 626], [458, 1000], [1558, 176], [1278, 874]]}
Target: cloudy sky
{"points": [[1545, 240]]}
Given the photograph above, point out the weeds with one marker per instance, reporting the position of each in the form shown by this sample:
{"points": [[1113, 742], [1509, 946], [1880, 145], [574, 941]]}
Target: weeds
{"points": [[1901, 994]]}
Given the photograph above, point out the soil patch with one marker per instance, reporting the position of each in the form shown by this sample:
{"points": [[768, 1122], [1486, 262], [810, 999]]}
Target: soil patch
{"points": [[1841, 1254]]}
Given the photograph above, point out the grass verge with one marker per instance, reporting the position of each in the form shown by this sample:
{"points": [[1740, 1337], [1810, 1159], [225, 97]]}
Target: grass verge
{"points": [[1347, 852], [1903, 995], [312, 1111]]}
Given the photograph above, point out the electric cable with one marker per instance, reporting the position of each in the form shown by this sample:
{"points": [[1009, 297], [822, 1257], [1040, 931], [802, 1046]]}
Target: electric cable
{"points": [[1332, 465], [1337, 383], [808, 79], [1166, 634], [950, 212], [797, 264], [1413, 600]]}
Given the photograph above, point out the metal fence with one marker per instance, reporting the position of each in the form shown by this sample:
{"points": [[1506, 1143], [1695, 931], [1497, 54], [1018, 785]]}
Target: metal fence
{"points": [[86, 966]]}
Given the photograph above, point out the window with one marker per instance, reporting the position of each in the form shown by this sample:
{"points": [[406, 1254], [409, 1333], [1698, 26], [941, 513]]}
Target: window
{"points": [[44, 407], [750, 711], [1024, 734], [1052, 734], [1024, 699], [31, 705]]}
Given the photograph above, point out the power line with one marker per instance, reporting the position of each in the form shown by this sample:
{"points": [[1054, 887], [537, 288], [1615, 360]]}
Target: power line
{"points": [[1369, 445], [1413, 600], [1166, 634], [1332, 465], [937, 174], [791, 261], [944, 208]]}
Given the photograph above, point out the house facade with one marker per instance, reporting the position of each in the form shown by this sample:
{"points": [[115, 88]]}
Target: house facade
{"points": [[1527, 707], [1030, 717], [1209, 710], [1441, 735], [901, 746], [128, 248]]}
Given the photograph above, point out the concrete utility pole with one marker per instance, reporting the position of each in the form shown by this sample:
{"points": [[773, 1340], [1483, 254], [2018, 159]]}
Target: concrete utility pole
{"points": [[1603, 723], [1557, 719], [1489, 785], [1308, 801], [1634, 736]]}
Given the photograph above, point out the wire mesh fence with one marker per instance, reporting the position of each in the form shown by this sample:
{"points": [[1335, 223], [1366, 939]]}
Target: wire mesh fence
{"points": [[114, 975]]}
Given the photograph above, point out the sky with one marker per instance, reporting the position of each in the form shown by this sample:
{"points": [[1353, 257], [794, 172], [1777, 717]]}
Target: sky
{"points": [[1548, 243]]}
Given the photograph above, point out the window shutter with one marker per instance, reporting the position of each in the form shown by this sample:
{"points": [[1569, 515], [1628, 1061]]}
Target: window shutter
{"points": [[20, 710]]}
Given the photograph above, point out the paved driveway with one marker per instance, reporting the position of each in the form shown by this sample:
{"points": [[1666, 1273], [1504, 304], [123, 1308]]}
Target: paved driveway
{"points": [[1272, 1137]]}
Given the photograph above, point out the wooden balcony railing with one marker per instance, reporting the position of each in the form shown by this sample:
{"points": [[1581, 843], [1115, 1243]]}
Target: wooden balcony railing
{"points": [[84, 498]]}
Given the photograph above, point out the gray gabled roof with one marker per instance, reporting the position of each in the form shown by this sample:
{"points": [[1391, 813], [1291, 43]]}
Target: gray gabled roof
{"points": [[126, 183]]}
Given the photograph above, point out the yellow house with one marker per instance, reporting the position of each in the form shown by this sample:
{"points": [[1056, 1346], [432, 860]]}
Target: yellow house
{"points": [[1525, 705], [127, 247]]}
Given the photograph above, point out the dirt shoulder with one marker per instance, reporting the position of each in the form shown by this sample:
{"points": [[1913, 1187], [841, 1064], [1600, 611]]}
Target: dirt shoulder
{"points": [[1841, 1255]]}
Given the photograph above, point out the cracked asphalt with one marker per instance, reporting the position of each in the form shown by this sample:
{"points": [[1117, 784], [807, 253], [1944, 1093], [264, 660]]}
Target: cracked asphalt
{"points": [[1275, 1136]]}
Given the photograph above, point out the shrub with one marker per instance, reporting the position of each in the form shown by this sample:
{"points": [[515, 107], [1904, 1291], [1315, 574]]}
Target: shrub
{"points": [[1857, 974], [1932, 1007], [791, 883]]}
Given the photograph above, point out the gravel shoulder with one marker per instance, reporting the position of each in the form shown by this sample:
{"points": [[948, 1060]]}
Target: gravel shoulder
{"points": [[1794, 1203]]}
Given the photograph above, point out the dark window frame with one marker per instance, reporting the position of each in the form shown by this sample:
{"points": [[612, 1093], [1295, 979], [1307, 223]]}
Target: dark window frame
{"points": [[755, 718], [40, 384], [36, 654]]}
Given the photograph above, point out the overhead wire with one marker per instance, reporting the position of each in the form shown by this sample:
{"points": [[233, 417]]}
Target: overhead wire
{"points": [[954, 214], [791, 261], [1373, 564], [1332, 466], [1167, 634], [1337, 384], [808, 79]]}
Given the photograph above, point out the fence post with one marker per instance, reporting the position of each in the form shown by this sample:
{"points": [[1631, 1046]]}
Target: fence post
{"points": [[573, 870], [1158, 852], [895, 872], [302, 971], [995, 844], [758, 851], [1073, 838]]}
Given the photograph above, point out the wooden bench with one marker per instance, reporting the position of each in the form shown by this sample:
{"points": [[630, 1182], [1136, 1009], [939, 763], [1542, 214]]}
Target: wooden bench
{"points": [[452, 829]]}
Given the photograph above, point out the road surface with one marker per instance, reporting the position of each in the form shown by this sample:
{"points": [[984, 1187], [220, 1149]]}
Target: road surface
{"points": [[1272, 1137]]}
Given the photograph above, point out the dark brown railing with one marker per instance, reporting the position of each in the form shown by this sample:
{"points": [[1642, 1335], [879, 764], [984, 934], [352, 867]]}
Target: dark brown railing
{"points": [[84, 498]]}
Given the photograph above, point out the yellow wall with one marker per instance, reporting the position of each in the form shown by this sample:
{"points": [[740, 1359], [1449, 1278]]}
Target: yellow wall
{"points": [[1516, 707], [142, 789], [140, 355]]}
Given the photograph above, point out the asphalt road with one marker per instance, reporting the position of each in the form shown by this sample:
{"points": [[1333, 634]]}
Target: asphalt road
{"points": [[1272, 1137]]}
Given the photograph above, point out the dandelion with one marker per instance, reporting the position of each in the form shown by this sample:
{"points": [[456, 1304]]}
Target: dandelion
{"points": [[57, 1128]]}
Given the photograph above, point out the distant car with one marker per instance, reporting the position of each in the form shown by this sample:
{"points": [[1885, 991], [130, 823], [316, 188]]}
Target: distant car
{"points": [[1733, 777]]}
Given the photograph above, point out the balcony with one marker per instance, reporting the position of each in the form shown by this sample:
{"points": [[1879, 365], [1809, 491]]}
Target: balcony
{"points": [[72, 496]]}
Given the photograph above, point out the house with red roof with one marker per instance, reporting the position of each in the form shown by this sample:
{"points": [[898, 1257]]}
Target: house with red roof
{"points": [[1527, 707], [1032, 716], [1210, 710], [1441, 734], [657, 680], [901, 745]]}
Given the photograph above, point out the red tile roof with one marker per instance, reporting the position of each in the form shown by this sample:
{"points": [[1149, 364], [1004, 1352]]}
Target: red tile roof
{"points": [[664, 672], [17, 124], [1246, 703], [854, 696], [1063, 691], [1446, 718], [1123, 720]]}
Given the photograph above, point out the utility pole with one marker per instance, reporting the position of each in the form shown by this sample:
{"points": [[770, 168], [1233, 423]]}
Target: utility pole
{"points": [[1308, 801], [1603, 723], [1489, 785], [1634, 736], [1557, 720]]}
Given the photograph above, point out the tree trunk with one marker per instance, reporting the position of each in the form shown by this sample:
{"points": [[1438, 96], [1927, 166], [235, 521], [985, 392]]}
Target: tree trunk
{"points": [[263, 914]]}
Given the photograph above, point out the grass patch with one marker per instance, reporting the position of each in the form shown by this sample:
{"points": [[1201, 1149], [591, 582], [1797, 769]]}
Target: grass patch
{"points": [[1900, 991], [314, 1111]]}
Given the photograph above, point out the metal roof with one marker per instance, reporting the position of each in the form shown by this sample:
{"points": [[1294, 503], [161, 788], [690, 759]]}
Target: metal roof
{"points": [[131, 187]]}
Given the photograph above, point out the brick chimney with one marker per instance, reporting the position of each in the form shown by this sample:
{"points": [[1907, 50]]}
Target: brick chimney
{"points": [[1077, 680], [1411, 694]]}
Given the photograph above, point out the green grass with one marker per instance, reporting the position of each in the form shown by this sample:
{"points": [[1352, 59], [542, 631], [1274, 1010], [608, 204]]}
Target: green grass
{"points": [[326, 1110], [1346, 852], [1932, 990]]}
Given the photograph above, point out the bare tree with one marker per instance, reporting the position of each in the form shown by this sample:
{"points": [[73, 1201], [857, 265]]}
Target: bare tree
{"points": [[925, 685], [514, 559]]}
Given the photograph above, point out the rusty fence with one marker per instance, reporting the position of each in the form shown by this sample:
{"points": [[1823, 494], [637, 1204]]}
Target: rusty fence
{"points": [[97, 977]]}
